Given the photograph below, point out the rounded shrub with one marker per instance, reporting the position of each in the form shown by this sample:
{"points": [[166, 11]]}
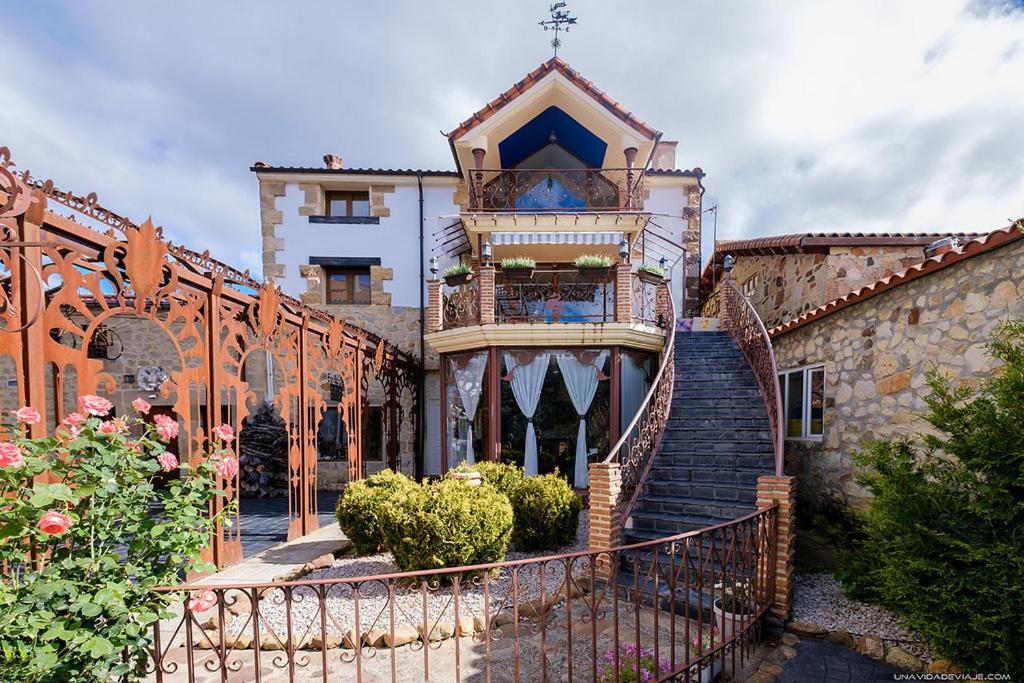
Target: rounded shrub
{"points": [[502, 476], [447, 523], [547, 513], [358, 508]]}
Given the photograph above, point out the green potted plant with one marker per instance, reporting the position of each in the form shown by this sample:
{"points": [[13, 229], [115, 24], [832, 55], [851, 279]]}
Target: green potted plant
{"points": [[734, 606], [458, 274], [593, 267], [650, 273], [518, 267]]}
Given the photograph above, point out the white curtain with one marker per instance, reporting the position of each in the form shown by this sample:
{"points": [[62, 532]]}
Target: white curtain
{"points": [[581, 383], [527, 382], [469, 382], [635, 385]]}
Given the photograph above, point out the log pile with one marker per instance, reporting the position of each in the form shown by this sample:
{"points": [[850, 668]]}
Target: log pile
{"points": [[263, 455]]}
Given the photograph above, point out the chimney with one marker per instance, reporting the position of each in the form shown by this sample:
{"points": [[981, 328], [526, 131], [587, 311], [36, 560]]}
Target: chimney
{"points": [[332, 161], [939, 247], [665, 156]]}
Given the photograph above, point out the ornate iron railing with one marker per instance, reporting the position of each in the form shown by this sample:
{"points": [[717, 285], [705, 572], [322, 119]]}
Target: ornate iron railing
{"points": [[648, 306], [462, 305], [553, 189], [639, 442], [553, 295], [569, 617], [737, 316]]}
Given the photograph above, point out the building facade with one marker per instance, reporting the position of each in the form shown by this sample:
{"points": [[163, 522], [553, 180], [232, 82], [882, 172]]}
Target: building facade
{"points": [[551, 170]]}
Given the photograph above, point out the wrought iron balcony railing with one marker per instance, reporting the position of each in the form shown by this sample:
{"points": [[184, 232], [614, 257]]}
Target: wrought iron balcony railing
{"points": [[553, 190], [553, 295]]}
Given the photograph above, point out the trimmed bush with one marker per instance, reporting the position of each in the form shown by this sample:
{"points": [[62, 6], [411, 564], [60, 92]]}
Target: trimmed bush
{"points": [[547, 513], [944, 532], [502, 476], [358, 508], [447, 523]]}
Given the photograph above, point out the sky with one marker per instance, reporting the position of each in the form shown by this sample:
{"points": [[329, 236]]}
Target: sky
{"points": [[806, 116]]}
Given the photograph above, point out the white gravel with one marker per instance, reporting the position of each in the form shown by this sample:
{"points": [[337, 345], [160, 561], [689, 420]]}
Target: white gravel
{"points": [[819, 599], [375, 605]]}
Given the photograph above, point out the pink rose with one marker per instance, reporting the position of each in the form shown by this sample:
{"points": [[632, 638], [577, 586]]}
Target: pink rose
{"points": [[142, 405], [54, 523], [167, 461], [227, 468], [202, 600], [10, 455], [27, 415], [94, 405], [224, 432], [167, 430], [116, 426], [73, 422]]}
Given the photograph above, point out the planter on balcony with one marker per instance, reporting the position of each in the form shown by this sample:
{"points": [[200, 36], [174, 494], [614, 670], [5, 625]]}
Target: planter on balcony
{"points": [[650, 277], [456, 280], [595, 274], [518, 274]]}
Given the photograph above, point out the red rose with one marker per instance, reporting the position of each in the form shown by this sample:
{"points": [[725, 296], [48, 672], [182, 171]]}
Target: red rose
{"points": [[202, 600], [54, 523]]}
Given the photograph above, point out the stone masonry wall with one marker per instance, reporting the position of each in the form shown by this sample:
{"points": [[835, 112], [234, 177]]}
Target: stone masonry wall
{"points": [[850, 268], [876, 354], [788, 285]]}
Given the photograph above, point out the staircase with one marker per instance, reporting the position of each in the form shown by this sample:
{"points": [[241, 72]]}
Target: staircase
{"points": [[717, 442]]}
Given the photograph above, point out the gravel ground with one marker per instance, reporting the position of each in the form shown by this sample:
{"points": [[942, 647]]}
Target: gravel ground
{"points": [[375, 605], [819, 599]]}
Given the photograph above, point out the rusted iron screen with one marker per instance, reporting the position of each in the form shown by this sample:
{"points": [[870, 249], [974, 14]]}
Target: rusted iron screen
{"points": [[64, 283]]}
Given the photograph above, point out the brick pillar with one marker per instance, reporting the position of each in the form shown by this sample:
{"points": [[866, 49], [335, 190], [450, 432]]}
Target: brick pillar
{"points": [[486, 291], [661, 306], [605, 509], [435, 300], [623, 293], [781, 490]]}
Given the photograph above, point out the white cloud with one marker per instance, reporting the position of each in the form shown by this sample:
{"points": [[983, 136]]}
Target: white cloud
{"points": [[806, 116]]}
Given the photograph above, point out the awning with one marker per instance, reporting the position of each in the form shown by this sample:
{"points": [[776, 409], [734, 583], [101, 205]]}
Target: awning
{"points": [[525, 237]]}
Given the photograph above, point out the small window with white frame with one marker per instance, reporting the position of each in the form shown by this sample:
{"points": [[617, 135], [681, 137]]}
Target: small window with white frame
{"points": [[803, 402]]}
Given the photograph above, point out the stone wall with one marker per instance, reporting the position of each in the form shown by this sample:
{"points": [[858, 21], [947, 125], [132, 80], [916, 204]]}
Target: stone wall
{"points": [[876, 354], [789, 285]]}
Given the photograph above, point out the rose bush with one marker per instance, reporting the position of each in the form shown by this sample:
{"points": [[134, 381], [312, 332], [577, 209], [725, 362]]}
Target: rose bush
{"points": [[87, 531]]}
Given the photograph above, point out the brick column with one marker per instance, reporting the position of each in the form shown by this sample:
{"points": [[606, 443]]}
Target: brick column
{"points": [[435, 299], [781, 490], [623, 293], [605, 509], [661, 306], [486, 293]]}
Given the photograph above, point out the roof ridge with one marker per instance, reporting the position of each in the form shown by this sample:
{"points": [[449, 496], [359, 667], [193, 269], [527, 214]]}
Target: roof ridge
{"points": [[984, 243]]}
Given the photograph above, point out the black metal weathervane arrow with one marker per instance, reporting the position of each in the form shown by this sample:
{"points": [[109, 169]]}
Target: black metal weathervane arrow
{"points": [[559, 21]]}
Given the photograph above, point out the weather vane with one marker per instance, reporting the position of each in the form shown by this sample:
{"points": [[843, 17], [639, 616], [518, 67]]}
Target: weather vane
{"points": [[559, 21]]}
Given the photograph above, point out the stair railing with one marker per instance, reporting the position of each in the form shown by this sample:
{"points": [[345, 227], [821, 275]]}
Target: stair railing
{"points": [[739, 318], [639, 442]]}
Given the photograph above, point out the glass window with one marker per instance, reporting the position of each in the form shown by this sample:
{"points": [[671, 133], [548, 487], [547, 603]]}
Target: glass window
{"points": [[348, 203], [803, 400], [348, 285]]}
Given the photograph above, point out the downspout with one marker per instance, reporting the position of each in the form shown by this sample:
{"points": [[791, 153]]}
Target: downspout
{"points": [[422, 389]]}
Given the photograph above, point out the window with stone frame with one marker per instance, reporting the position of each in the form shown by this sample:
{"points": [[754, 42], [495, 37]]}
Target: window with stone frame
{"points": [[749, 285], [348, 285], [347, 203], [803, 401]]}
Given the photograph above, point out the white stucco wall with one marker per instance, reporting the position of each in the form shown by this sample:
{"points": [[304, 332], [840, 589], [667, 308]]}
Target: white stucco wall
{"points": [[669, 200], [395, 240]]}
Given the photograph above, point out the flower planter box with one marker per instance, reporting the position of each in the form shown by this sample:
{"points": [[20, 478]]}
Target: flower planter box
{"points": [[518, 274], [456, 280], [650, 278], [595, 274]]}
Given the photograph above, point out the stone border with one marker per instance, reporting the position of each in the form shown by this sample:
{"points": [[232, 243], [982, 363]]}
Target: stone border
{"points": [[869, 645]]}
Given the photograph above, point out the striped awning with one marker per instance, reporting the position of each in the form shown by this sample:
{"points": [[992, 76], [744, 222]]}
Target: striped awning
{"points": [[526, 237]]}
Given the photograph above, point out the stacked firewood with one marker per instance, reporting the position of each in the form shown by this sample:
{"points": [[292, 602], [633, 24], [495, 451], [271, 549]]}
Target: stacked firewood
{"points": [[263, 457]]}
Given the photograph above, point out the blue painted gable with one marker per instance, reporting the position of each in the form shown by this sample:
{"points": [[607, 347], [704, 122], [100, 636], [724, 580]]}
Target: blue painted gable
{"points": [[534, 135]]}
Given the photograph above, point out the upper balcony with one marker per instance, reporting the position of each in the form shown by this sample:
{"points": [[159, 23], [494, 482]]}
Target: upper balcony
{"points": [[552, 305], [552, 190]]}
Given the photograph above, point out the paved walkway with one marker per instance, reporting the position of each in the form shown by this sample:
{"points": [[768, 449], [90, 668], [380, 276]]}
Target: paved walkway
{"points": [[827, 662], [265, 520]]}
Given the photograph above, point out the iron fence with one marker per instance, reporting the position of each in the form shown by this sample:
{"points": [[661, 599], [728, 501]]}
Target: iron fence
{"points": [[551, 189]]}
